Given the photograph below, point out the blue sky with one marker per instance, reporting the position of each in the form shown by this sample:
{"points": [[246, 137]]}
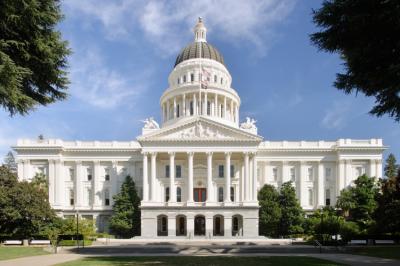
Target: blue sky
{"points": [[123, 52]]}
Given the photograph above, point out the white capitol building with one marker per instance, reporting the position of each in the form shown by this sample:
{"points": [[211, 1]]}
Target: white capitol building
{"points": [[199, 172]]}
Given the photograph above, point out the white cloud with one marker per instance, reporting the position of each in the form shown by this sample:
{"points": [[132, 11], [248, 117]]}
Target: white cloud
{"points": [[337, 116], [97, 84], [167, 23]]}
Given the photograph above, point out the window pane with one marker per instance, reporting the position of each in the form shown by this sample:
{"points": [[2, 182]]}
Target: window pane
{"points": [[178, 171], [167, 171], [220, 171], [232, 171]]}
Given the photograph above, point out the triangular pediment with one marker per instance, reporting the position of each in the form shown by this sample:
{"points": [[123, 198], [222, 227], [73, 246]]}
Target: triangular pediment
{"points": [[199, 129]]}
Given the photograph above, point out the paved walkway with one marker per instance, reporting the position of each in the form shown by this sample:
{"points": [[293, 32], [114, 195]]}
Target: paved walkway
{"points": [[353, 260]]}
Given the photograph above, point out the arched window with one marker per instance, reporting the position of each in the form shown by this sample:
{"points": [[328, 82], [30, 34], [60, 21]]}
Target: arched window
{"points": [[166, 194], [177, 110], [235, 224], [162, 225], [220, 194], [222, 110], [191, 108], [107, 197], [178, 194], [208, 108]]}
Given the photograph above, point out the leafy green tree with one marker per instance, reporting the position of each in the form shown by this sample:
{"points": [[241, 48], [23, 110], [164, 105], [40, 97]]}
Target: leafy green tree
{"points": [[323, 224], [387, 214], [366, 35], [125, 221], [391, 167], [33, 56], [24, 209], [361, 202], [9, 161], [292, 215], [40, 182], [269, 212], [86, 227], [346, 201]]}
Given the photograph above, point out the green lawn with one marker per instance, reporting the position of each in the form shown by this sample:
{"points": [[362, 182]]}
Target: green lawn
{"points": [[7, 253], [193, 261], [389, 252]]}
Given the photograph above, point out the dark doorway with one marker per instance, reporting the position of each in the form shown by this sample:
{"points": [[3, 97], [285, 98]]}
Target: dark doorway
{"points": [[199, 226], [199, 194]]}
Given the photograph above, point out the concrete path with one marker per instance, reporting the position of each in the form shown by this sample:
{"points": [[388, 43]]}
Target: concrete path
{"points": [[41, 260], [348, 259]]}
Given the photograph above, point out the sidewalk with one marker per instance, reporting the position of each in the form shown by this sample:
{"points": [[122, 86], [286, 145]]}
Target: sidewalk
{"points": [[348, 259]]}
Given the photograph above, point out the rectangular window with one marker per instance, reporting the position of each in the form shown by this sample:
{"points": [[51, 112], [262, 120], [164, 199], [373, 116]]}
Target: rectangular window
{"points": [[107, 198], [71, 197], [71, 174], [328, 197], [275, 174], [179, 81], [220, 194], [310, 197], [215, 79], [184, 78], [310, 174], [107, 174], [167, 171], [178, 171], [232, 171], [232, 194], [89, 174], [293, 174], [192, 77], [220, 170]]}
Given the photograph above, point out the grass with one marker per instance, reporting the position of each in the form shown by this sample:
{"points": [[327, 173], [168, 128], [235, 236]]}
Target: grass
{"points": [[389, 252], [194, 261], [7, 253]]}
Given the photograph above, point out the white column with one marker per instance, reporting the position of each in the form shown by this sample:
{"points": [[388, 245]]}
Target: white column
{"points": [[97, 193], [254, 177], [174, 107], [59, 182], [20, 171], [27, 170], [184, 104], [172, 189], [246, 176], [209, 177], [349, 174], [216, 105], [302, 188], [52, 182], [250, 178], [285, 172], [205, 104], [379, 168], [372, 168], [231, 112], [145, 178], [194, 104], [114, 180], [153, 177], [167, 104], [224, 115], [78, 184], [190, 178], [241, 184], [341, 177], [227, 193], [237, 114], [321, 185]]}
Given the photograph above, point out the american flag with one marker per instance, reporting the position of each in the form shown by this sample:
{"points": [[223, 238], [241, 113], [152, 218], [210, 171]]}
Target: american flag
{"points": [[205, 77]]}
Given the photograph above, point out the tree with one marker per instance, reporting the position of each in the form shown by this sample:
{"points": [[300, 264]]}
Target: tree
{"points": [[325, 223], [366, 34], [9, 161], [292, 217], [269, 212], [391, 167], [387, 214], [125, 221], [33, 56], [361, 202], [40, 182], [24, 208]]}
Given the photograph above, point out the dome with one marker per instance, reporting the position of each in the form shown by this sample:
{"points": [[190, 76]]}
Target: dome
{"points": [[193, 51]]}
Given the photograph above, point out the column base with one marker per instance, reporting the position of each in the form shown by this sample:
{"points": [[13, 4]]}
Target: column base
{"points": [[228, 203]]}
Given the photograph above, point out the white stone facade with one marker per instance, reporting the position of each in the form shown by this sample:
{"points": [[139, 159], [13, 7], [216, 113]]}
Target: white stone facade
{"points": [[199, 173]]}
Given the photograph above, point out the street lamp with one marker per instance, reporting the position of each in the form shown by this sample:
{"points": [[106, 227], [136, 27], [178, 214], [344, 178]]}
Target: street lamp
{"points": [[77, 228]]}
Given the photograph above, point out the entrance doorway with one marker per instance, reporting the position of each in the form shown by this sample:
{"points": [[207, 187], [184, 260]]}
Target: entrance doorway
{"points": [[180, 225], [199, 226], [199, 194], [218, 225]]}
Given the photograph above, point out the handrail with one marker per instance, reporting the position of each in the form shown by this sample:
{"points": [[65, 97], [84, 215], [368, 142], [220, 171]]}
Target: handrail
{"points": [[319, 245]]}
